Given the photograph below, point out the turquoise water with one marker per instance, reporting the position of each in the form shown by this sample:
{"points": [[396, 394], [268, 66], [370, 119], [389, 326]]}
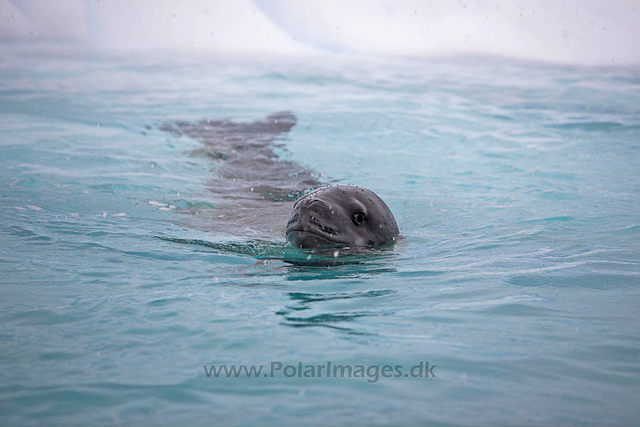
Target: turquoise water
{"points": [[516, 186]]}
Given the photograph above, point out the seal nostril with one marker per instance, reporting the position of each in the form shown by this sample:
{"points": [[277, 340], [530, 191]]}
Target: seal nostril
{"points": [[311, 202]]}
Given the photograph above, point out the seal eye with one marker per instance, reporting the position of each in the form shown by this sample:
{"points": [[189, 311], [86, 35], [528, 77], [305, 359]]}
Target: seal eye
{"points": [[359, 218]]}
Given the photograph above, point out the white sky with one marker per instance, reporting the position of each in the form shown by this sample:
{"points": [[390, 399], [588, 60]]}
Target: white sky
{"points": [[571, 31]]}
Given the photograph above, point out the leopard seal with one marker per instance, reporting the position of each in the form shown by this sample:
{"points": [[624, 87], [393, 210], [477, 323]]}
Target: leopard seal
{"points": [[255, 190], [341, 216]]}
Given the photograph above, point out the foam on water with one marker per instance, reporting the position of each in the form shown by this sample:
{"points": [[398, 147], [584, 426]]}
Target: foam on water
{"points": [[515, 184]]}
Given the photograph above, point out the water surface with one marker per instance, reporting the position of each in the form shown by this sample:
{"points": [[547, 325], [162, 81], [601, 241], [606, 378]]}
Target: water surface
{"points": [[515, 184]]}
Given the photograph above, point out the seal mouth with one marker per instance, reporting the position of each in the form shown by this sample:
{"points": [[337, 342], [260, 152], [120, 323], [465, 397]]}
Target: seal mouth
{"points": [[302, 238]]}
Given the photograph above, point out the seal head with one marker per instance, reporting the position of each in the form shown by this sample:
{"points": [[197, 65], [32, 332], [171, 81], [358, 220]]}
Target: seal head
{"points": [[341, 216]]}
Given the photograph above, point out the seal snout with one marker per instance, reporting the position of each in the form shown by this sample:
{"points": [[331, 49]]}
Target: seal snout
{"points": [[311, 224], [312, 214], [313, 220]]}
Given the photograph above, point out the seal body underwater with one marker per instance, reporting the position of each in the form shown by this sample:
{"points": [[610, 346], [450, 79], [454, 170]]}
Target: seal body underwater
{"points": [[341, 216], [255, 190]]}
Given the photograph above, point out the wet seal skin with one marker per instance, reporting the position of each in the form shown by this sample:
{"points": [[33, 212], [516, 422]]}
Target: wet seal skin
{"points": [[341, 216], [255, 189]]}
